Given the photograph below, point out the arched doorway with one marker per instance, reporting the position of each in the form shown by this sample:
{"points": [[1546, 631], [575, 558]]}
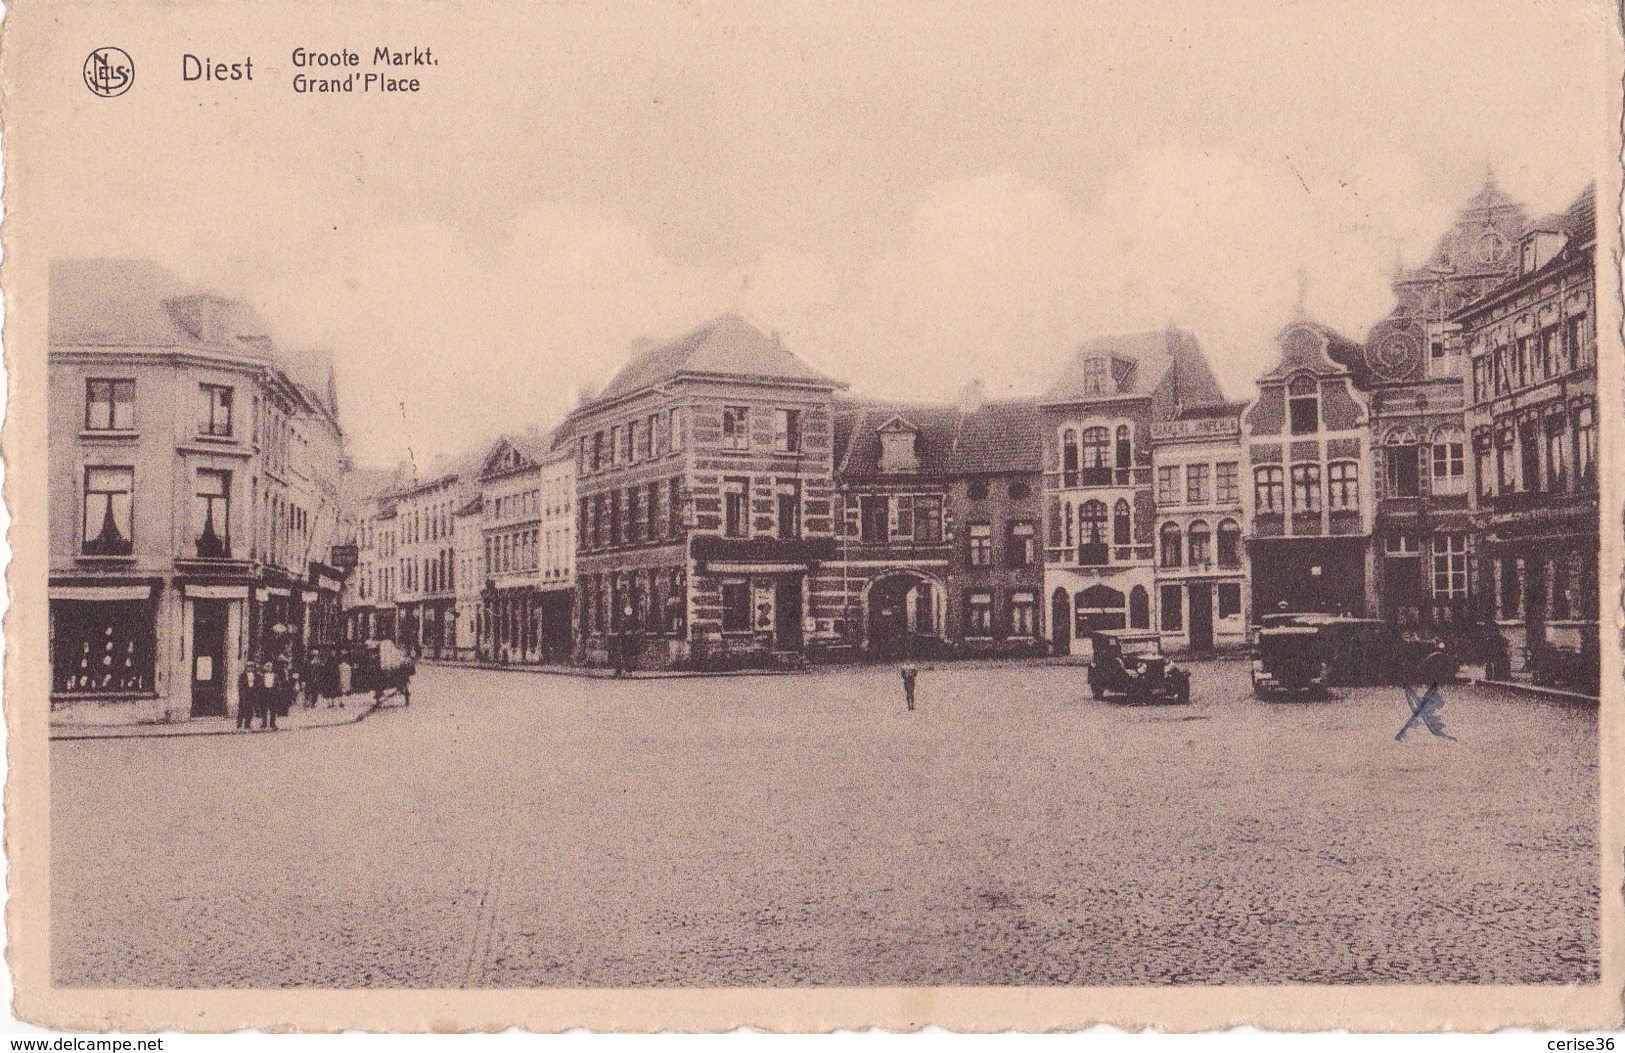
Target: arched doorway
{"points": [[1099, 607], [1060, 622], [903, 612], [1139, 608]]}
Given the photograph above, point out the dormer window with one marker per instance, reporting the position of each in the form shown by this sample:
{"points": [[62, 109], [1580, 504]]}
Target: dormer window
{"points": [[898, 441], [1096, 375]]}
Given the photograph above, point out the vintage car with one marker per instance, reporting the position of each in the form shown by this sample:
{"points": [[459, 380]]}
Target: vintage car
{"points": [[1369, 651], [382, 668], [1128, 665], [1289, 663]]}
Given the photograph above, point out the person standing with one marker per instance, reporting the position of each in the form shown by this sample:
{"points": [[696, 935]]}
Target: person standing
{"points": [[910, 673], [248, 693], [270, 689]]}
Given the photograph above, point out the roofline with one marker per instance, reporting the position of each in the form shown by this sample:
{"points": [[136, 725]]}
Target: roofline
{"points": [[1583, 258]]}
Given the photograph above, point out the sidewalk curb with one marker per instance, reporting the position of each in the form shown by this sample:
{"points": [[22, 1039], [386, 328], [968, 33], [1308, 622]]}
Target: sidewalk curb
{"points": [[587, 674], [359, 716], [1536, 689]]}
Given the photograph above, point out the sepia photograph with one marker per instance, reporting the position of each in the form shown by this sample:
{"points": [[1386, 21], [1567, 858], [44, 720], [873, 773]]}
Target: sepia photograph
{"points": [[1109, 510]]}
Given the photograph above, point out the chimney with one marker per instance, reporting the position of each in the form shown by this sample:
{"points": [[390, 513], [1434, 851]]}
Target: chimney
{"points": [[972, 396]]}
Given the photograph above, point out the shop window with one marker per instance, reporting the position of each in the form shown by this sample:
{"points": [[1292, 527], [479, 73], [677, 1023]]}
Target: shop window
{"points": [[1229, 599], [109, 405], [981, 544], [102, 647], [1449, 566], [108, 495], [735, 606], [1173, 608], [214, 410], [212, 514]]}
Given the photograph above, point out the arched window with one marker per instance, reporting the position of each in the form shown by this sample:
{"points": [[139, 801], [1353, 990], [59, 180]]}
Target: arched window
{"points": [[1125, 447], [1122, 524], [1069, 457], [1229, 544], [1139, 608], [1172, 545], [1404, 463], [1096, 457], [1199, 544], [1092, 548], [1303, 400]]}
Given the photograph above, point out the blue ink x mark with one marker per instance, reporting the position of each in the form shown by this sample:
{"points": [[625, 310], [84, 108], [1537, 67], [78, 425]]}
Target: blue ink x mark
{"points": [[1426, 709]]}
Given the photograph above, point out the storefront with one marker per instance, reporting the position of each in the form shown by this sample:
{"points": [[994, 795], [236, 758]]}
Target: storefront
{"points": [[103, 641]]}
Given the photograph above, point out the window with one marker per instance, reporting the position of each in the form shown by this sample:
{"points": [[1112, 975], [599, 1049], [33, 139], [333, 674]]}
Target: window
{"points": [[108, 493], [1092, 548], [109, 405], [652, 511], [214, 410], [598, 452], [1585, 443], [1343, 486], [1173, 613], [735, 607], [211, 516], [1095, 375], [981, 544], [677, 427], [1021, 547], [634, 515], [1023, 614], [736, 507], [1449, 464], [1529, 454], [1506, 461], [615, 521], [1229, 546], [641, 442], [1484, 461], [1306, 488], [977, 491], [659, 439], [1268, 490], [1200, 543], [1404, 468], [1020, 491], [1557, 440], [1125, 447], [615, 445], [1168, 484], [1581, 352], [787, 430], [1069, 457], [1551, 353], [1172, 545], [736, 427], [1229, 599], [905, 518], [979, 614], [789, 508], [1226, 486], [874, 513], [928, 519], [1122, 523], [1449, 566], [625, 454], [1196, 484], [674, 507], [1304, 405], [1096, 454]]}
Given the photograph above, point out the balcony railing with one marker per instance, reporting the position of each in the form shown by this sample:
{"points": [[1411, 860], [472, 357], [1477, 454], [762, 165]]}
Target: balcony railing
{"points": [[1099, 554], [1097, 478]]}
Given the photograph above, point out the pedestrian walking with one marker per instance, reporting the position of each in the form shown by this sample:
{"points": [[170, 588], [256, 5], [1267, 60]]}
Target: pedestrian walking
{"points": [[910, 672], [346, 678], [270, 688], [248, 693]]}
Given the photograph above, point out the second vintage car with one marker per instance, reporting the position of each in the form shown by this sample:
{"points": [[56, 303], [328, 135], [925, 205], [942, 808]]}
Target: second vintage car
{"points": [[1128, 665]]}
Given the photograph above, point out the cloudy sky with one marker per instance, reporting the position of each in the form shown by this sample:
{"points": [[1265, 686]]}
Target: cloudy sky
{"points": [[913, 197]]}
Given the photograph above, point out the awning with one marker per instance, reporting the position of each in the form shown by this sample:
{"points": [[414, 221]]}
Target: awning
{"points": [[754, 568], [215, 592], [104, 593]]}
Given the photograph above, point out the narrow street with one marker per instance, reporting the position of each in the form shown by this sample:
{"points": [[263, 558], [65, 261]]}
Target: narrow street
{"points": [[513, 829]]}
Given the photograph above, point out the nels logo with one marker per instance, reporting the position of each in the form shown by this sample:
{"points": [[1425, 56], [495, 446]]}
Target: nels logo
{"points": [[109, 72]]}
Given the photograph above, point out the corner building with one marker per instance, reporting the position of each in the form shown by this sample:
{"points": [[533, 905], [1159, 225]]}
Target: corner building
{"points": [[704, 504]]}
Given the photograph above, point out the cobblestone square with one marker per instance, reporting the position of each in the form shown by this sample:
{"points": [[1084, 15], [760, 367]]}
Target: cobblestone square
{"points": [[522, 830]]}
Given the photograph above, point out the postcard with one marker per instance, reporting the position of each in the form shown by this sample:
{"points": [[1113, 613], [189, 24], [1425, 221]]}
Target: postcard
{"points": [[692, 515]]}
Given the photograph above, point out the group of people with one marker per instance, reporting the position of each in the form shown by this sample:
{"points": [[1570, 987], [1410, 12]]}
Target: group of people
{"points": [[269, 688]]}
